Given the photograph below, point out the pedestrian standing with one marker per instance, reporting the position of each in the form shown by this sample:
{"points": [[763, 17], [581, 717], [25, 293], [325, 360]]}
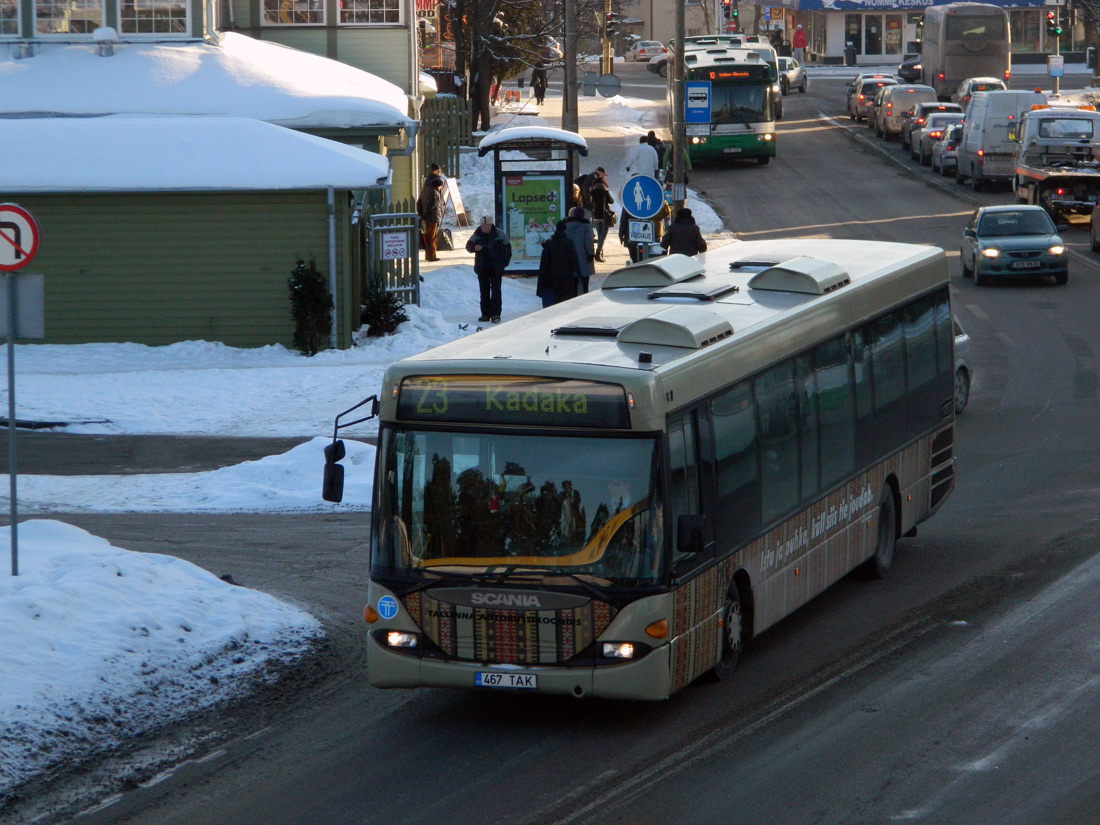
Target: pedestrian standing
{"points": [[492, 254], [683, 237], [430, 206], [799, 44], [603, 218], [657, 144], [643, 159], [433, 172], [579, 231], [538, 82], [667, 164], [634, 248], [559, 269]]}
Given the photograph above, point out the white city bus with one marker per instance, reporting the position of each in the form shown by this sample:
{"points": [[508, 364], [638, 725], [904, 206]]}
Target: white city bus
{"points": [[962, 40], [609, 496]]}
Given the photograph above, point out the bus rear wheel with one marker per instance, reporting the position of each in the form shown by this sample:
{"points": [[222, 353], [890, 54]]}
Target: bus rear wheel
{"points": [[879, 564], [732, 630]]}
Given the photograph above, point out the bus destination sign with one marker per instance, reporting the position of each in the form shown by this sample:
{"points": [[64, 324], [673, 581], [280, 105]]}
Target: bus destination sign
{"points": [[515, 400]]}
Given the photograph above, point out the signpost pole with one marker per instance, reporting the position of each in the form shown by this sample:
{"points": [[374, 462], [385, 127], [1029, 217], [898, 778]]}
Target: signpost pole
{"points": [[12, 315]]}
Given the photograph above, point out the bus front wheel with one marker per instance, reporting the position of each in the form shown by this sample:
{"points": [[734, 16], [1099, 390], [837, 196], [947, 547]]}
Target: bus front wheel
{"points": [[732, 630], [879, 564]]}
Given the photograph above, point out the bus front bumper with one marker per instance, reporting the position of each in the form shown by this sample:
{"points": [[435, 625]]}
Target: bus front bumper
{"points": [[647, 678]]}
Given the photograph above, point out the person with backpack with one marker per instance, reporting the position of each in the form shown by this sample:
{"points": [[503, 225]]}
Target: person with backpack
{"points": [[559, 269], [579, 230], [492, 254], [684, 236]]}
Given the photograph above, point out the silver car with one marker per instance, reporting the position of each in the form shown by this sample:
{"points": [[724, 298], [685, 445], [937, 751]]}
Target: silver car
{"points": [[962, 367], [792, 75], [945, 151], [1004, 241], [929, 132]]}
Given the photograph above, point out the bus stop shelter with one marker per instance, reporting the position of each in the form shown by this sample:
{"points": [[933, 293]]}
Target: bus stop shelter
{"points": [[531, 193]]}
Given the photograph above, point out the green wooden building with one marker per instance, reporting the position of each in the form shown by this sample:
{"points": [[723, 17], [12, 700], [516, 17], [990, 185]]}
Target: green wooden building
{"points": [[163, 229]]}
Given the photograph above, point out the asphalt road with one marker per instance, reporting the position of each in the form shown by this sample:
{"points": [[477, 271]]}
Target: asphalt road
{"points": [[960, 689]]}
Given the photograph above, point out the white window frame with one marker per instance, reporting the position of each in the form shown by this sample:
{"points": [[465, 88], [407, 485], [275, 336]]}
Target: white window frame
{"points": [[347, 4], [17, 20], [290, 12], [186, 32], [61, 4]]}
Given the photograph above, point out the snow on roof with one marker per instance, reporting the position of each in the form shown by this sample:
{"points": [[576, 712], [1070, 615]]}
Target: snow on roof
{"points": [[127, 153], [520, 133], [240, 77]]}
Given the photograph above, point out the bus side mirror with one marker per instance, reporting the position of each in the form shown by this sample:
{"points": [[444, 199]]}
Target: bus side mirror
{"points": [[970, 233], [332, 487], [689, 533]]}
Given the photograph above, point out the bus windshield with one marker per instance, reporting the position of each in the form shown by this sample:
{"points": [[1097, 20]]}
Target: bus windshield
{"points": [[740, 104], [470, 504]]}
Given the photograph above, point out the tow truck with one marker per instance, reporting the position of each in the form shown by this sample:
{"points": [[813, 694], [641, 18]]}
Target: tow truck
{"points": [[1058, 159]]}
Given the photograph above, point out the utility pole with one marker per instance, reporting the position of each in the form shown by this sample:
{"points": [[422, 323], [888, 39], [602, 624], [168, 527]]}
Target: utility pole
{"points": [[679, 136], [569, 119]]}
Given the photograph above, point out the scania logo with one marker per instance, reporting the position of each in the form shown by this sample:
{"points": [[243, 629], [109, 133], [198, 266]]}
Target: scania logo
{"points": [[505, 599]]}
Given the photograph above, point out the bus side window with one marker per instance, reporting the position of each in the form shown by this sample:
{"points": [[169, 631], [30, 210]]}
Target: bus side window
{"points": [[737, 468], [683, 482], [778, 428]]}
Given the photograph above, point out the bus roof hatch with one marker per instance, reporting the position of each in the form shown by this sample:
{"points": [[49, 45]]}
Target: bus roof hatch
{"points": [[655, 272], [682, 326], [809, 276]]}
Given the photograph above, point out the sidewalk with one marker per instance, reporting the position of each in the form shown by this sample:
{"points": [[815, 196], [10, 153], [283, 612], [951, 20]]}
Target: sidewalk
{"points": [[608, 139]]}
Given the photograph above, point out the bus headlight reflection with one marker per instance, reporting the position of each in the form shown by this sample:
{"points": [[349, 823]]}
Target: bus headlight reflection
{"points": [[618, 650], [396, 638]]}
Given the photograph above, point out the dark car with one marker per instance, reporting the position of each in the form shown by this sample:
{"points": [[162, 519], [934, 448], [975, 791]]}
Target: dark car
{"points": [[909, 70], [1002, 241]]}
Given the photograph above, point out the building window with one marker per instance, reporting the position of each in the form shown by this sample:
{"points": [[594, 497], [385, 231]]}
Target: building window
{"points": [[893, 34], [153, 17], [853, 31], [294, 12], [67, 16], [9, 17], [872, 34], [370, 11]]}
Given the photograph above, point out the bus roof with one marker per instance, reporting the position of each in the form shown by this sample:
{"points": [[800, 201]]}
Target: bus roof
{"points": [[707, 58], [673, 329], [966, 8]]}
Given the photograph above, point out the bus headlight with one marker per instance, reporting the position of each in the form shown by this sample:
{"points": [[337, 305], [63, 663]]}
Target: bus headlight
{"points": [[1057, 249], [618, 650], [990, 252], [769, 136], [698, 140], [397, 638]]}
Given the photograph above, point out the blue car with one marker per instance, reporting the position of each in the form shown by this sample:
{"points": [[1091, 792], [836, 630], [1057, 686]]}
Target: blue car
{"points": [[1003, 241]]}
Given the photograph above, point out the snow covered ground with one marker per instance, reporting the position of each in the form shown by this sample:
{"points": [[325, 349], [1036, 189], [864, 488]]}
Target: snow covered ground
{"points": [[98, 643]]}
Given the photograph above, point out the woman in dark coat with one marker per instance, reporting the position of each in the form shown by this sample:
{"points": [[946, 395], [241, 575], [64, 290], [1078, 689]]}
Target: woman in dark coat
{"points": [[559, 270], [579, 230], [684, 237]]}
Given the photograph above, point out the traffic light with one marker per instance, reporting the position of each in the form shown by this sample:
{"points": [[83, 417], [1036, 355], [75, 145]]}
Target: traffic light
{"points": [[611, 25], [1054, 28], [727, 9]]}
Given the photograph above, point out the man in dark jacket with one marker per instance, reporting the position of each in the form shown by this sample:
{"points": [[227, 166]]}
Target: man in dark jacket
{"points": [[579, 231], [559, 269], [492, 254], [430, 206], [684, 237]]}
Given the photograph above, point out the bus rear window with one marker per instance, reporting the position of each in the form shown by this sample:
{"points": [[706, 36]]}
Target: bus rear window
{"points": [[983, 27]]}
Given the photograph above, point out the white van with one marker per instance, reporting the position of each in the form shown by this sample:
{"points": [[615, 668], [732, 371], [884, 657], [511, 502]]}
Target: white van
{"points": [[898, 99], [988, 147]]}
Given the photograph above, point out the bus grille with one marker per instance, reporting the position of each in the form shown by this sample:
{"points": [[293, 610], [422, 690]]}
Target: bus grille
{"points": [[508, 636]]}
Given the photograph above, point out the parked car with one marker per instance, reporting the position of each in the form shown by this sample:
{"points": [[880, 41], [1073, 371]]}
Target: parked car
{"points": [[944, 150], [552, 50], [975, 84], [898, 99], [915, 116], [927, 135], [863, 92], [643, 50], [1002, 241], [962, 367], [792, 75], [909, 70]]}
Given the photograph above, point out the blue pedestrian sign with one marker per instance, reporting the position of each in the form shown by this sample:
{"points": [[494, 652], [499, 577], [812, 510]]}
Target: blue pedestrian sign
{"points": [[697, 101], [642, 196]]}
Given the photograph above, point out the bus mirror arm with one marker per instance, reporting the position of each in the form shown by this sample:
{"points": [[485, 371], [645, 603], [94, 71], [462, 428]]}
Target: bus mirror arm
{"points": [[332, 485], [689, 533]]}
